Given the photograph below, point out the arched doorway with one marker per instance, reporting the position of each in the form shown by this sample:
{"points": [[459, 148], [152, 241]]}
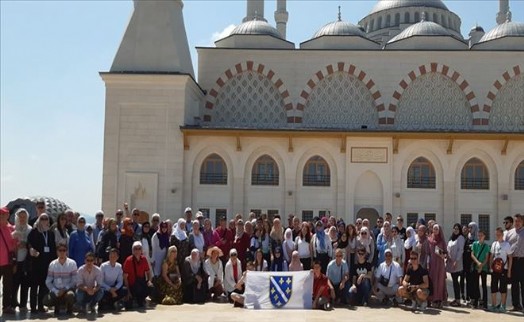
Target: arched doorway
{"points": [[370, 214]]}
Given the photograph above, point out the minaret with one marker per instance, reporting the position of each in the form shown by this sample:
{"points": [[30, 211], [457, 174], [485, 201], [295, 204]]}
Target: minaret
{"points": [[281, 17], [155, 40], [255, 10], [502, 15]]}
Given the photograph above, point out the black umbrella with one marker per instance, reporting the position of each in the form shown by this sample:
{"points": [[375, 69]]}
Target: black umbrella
{"points": [[26, 203], [53, 207]]}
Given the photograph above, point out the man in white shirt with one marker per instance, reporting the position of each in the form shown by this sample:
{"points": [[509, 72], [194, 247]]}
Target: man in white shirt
{"points": [[387, 279], [112, 281], [61, 282]]}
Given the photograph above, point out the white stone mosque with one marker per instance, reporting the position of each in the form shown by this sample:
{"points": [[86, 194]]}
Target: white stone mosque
{"points": [[399, 113]]}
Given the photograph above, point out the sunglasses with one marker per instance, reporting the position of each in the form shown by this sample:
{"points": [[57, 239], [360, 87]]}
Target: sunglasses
{"points": [[136, 215], [413, 258], [338, 256], [90, 260], [40, 207], [363, 233], [506, 222], [44, 219], [234, 254], [389, 255], [81, 222], [137, 248], [361, 254]]}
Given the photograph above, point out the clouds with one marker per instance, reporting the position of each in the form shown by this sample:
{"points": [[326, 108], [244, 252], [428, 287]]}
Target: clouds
{"points": [[221, 34]]}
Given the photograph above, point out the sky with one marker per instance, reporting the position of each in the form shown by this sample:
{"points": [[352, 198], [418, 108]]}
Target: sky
{"points": [[52, 97]]}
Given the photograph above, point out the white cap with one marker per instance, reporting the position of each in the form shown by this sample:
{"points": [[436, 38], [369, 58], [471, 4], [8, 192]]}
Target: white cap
{"points": [[137, 244], [388, 251], [188, 209]]}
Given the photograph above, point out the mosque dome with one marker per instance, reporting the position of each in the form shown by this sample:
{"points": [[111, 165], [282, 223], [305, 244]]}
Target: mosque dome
{"points": [[394, 4], [507, 29], [256, 27], [339, 28], [423, 28]]}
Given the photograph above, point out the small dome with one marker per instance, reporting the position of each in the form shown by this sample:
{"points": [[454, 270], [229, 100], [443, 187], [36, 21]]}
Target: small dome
{"points": [[507, 29], [393, 4], [256, 27], [339, 28], [423, 28]]}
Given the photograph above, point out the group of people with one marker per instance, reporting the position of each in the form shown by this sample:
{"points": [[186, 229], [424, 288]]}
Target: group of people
{"points": [[118, 262]]}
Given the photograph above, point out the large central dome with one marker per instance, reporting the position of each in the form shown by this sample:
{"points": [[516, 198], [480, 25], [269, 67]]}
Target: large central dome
{"points": [[393, 4]]}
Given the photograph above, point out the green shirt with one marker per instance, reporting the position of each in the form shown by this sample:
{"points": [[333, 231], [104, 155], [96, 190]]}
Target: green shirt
{"points": [[481, 252]]}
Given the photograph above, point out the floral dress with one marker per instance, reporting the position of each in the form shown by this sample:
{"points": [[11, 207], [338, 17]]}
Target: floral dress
{"points": [[171, 295]]}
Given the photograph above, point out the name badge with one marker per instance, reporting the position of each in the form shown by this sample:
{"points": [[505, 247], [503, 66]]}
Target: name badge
{"points": [[46, 249]]}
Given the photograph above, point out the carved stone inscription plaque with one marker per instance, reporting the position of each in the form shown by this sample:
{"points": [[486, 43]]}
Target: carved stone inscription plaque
{"points": [[369, 155]]}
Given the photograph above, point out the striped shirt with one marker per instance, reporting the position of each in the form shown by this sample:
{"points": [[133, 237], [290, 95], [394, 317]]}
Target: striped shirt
{"points": [[61, 276]]}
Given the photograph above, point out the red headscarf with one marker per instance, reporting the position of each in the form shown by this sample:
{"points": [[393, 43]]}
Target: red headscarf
{"points": [[127, 227]]}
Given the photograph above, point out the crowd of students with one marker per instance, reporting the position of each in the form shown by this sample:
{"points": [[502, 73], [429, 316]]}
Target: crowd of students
{"points": [[119, 262]]}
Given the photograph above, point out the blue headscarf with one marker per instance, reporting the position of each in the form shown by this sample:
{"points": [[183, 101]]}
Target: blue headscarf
{"points": [[321, 236]]}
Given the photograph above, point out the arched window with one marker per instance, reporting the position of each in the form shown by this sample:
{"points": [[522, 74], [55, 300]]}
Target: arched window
{"points": [[519, 177], [372, 25], [443, 21], [421, 174], [435, 18], [379, 23], [265, 172], [213, 170], [316, 173], [417, 17], [474, 175], [406, 17], [397, 19], [388, 21]]}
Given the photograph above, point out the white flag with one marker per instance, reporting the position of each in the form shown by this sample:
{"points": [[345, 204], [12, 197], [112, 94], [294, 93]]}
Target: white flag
{"points": [[287, 290]]}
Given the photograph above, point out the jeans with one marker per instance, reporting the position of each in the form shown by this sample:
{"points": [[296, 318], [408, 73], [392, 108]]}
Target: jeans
{"points": [[362, 294], [82, 298], [341, 294], [108, 300]]}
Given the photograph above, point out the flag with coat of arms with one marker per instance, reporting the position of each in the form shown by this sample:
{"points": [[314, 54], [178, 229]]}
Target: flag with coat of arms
{"points": [[279, 290]]}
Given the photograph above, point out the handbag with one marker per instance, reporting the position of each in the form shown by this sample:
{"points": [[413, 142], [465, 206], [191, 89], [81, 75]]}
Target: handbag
{"points": [[385, 281], [498, 265]]}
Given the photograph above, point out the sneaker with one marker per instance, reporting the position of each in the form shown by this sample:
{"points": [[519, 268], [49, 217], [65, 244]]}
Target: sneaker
{"points": [[395, 303], [502, 309], [414, 305], [493, 308], [424, 305], [516, 309]]}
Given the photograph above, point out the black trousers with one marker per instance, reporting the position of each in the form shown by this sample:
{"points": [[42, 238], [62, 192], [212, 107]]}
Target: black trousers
{"points": [[38, 289], [306, 263], [324, 261], [6, 273], [456, 284], [475, 289], [517, 282], [21, 282]]}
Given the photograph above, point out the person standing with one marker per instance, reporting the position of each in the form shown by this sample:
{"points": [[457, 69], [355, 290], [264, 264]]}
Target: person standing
{"points": [[454, 262], [515, 237], [7, 249], [80, 243], [437, 267], [479, 256], [321, 246], [500, 263], [160, 243], [42, 249], [61, 281], [21, 276]]}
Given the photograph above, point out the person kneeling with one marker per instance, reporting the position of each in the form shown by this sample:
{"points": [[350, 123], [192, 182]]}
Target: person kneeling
{"points": [[323, 291], [388, 277], [112, 282], [137, 277], [61, 278], [89, 284], [238, 296], [362, 272], [415, 285], [338, 274]]}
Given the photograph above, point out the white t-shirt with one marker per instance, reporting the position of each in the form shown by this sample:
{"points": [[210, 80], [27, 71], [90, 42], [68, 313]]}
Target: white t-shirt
{"points": [[384, 270], [501, 250], [302, 248]]}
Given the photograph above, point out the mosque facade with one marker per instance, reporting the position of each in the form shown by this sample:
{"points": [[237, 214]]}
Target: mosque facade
{"points": [[399, 113]]}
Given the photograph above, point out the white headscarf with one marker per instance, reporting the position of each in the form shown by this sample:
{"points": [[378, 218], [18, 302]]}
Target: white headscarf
{"points": [[195, 263], [22, 230], [365, 241], [198, 239], [410, 241], [179, 233], [40, 225]]}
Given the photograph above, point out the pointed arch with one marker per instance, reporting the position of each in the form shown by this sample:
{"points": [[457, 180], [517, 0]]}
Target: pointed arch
{"points": [[247, 66], [421, 174], [265, 171], [213, 170], [434, 68], [316, 172], [474, 175], [343, 67], [506, 77]]}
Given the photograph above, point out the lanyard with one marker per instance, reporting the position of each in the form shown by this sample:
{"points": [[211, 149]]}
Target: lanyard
{"points": [[45, 237]]}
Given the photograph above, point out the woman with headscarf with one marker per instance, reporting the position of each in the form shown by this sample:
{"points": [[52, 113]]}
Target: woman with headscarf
{"points": [[80, 243], [170, 285], [468, 272], [147, 245], [409, 245], [295, 265], [196, 237], [60, 230], [332, 233], [276, 236], [279, 264], [180, 240], [321, 245], [20, 278], [384, 240], [209, 239], [194, 279], [365, 240], [126, 240], [454, 260], [108, 241], [241, 243], [160, 243], [288, 245], [437, 267], [42, 251], [397, 246]]}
